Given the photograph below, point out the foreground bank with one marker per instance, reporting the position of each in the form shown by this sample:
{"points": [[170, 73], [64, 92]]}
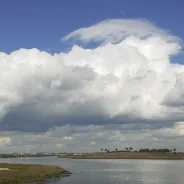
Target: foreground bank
{"points": [[125, 156], [21, 173]]}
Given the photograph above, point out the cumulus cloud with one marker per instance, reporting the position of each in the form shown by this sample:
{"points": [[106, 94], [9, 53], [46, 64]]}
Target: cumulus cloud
{"points": [[129, 80], [5, 141], [92, 143], [87, 138]]}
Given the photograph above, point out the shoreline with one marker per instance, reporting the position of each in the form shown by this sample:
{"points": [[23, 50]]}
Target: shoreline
{"points": [[142, 156], [26, 156], [27, 173]]}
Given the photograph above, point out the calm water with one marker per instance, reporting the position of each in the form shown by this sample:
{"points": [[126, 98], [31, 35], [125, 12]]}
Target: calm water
{"points": [[114, 171]]}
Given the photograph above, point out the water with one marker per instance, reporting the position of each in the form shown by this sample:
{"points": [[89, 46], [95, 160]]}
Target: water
{"points": [[113, 171]]}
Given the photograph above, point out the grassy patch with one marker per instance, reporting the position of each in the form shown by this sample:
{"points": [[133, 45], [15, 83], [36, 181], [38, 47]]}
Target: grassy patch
{"points": [[21, 173], [126, 156]]}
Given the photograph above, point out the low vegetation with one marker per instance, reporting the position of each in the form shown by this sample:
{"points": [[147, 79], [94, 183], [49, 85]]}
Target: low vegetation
{"points": [[15, 155], [126, 155], [20, 173], [145, 150]]}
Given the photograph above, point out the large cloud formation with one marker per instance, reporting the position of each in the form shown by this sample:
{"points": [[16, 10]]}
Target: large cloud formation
{"points": [[128, 79]]}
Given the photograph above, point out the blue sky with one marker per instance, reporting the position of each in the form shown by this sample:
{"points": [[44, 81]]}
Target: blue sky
{"points": [[42, 23]]}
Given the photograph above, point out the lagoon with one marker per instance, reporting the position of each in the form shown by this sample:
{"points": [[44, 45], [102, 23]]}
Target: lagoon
{"points": [[112, 171]]}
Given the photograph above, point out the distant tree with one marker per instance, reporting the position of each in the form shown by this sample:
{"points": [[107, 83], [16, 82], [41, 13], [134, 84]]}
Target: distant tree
{"points": [[144, 150], [174, 150], [116, 149], [106, 150], [130, 148], [101, 149], [147, 150], [126, 149]]}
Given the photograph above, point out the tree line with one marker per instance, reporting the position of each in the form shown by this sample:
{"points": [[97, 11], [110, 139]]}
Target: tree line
{"points": [[146, 150]]}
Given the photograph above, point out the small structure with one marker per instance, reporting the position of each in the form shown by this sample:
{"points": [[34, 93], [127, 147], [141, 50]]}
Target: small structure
{"points": [[4, 169]]}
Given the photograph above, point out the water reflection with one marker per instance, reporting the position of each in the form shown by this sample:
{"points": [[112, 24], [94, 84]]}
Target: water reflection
{"points": [[114, 171]]}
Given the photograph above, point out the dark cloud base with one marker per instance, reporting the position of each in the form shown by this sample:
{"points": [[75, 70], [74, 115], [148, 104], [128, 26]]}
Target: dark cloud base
{"points": [[26, 119]]}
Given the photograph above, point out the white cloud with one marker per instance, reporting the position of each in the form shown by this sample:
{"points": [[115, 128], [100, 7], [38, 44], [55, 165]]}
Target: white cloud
{"points": [[131, 81], [59, 145], [93, 138], [92, 143], [68, 138], [116, 30], [179, 126], [5, 141]]}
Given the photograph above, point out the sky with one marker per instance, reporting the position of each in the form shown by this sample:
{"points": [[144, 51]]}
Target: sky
{"points": [[85, 75], [41, 24]]}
